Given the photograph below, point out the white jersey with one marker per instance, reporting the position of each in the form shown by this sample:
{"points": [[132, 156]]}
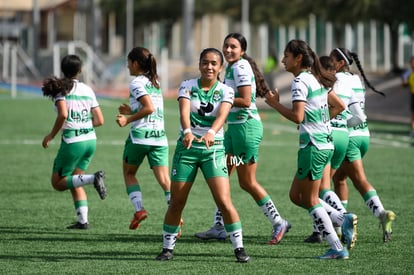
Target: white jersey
{"points": [[315, 127], [148, 130], [344, 91], [237, 75], [78, 125], [358, 97], [204, 107]]}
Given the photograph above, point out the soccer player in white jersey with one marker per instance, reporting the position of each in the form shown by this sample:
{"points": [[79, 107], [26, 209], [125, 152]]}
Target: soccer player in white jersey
{"points": [[147, 137], [359, 136], [340, 142], [313, 104], [244, 134], [204, 105], [78, 112]]}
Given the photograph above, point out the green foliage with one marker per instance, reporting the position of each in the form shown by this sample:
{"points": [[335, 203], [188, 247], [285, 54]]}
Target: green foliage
{"points": [[33, 215]]}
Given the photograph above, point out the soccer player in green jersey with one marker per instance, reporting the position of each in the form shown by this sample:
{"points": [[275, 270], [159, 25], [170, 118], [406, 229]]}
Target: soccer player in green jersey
{"points": [[244, 134], [313, 105], [359, 137], [78, 112], [204, 105]]}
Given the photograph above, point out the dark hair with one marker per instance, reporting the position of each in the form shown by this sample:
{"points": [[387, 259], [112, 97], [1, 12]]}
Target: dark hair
{"points": [[262, 88], [326, 62], [54, 86], [349, 57], [310, 60], [212, 50], [146, 62], [71, 66]]}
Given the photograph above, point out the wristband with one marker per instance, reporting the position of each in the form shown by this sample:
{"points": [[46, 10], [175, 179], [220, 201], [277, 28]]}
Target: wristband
{"points": [[186, 131], [211, 131]]}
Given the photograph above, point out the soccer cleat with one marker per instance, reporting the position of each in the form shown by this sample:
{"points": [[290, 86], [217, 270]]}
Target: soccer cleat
{"points": [[316, 237], [241, 255], [335, 254], [78, 225], [386, 218], [139, 216], [216, 232], [279, 231], [181, 227], [349, 229], [165, 255], [98, 182]]}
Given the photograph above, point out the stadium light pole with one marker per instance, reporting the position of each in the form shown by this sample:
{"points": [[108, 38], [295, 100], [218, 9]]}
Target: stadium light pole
{"points": [[129, 36]]}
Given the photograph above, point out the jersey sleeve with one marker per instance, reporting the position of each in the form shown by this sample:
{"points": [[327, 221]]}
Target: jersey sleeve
{"points": [[228, 94], [184, 90], [299, 90], [242, 74], [137, 89]]}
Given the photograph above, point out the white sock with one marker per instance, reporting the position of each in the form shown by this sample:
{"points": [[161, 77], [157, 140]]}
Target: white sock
{"points": [[333, 200], [218, 218], [82, 213], [336, 217], [136, 200], [81, 180], [270, 211], [321, 220]]}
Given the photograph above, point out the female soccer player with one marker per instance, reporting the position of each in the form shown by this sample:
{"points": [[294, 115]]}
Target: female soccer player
{"points": [[352, 166], [78, 112], [147, 138], [204, 104], [244, 134], [312, 107]]}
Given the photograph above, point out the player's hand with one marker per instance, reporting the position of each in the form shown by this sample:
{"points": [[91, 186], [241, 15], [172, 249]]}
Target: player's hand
{"points": [[121, 120], [208, 140], [124, 109], [46, 140], [188, 140]]}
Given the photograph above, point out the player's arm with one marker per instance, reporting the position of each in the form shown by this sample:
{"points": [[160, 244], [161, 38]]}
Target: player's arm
{"points": [[62, 115]]}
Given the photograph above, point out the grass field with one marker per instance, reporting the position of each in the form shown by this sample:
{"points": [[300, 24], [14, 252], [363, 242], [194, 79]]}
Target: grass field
{"points": [[33, 238]]}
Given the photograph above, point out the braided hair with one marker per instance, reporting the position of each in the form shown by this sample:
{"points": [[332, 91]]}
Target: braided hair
{"points": [[262, 88], [349, 57], [146, 62]]}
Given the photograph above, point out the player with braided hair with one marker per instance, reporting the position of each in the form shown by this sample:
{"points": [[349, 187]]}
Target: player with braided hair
{"points": [[359, 137]]}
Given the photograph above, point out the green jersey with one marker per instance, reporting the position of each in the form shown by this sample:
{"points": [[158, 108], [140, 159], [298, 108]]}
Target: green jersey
{"points": [[204, 107]]}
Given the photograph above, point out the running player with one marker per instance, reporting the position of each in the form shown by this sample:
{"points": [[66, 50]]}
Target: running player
{"points": [[78, 112], [359, 136]]}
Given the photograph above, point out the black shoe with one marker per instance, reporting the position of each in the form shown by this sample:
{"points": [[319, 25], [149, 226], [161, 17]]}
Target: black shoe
{"points": [[78, 225], [165, 255], [241, 255], [316, 237], [98, 182]]}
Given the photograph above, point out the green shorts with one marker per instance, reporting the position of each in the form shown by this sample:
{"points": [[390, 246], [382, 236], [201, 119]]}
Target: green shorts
{"points": [[186, 162], [243, 140], [134, 154], [312, 161], [341, 141], [73, 155], [357, 148]]}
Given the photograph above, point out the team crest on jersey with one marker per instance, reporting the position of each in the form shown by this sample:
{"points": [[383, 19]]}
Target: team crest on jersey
{"points": [[216, 95]]}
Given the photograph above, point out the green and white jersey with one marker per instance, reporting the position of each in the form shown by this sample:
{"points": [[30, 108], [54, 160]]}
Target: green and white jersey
{"points": [[78, 125], [344, 91], [358, 97], [237, 75], [315, 127], [148, 130], [204, 106]]}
